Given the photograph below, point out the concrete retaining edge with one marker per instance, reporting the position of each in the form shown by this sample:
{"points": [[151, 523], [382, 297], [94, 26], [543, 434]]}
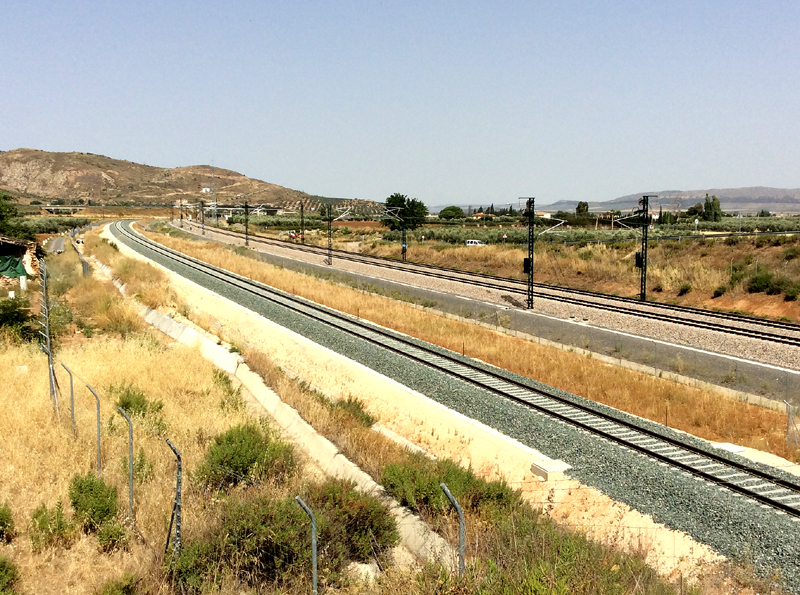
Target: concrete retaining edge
{"points": [[414, 534]]}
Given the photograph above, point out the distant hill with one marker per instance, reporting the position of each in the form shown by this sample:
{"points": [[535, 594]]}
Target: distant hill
{"points": [[78, 178], [733, 200]]}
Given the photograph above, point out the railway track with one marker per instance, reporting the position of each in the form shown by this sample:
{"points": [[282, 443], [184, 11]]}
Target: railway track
{"points": [[765, 488], [766, 330]]}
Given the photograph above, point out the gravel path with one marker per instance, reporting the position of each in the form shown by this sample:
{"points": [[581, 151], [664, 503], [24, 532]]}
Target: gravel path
{"points": [[742, 347], [733, 525]]}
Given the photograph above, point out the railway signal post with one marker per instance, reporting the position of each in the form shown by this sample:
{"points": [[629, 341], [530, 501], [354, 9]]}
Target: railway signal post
{"points": [[528, 263], [641, 258]]}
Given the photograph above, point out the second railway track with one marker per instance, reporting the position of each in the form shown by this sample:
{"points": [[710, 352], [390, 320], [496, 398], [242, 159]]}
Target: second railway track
{"points": [[778, 332]]}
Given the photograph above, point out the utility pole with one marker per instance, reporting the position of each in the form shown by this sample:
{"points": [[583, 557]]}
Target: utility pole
{"points": [[330, 235], [641, 257], [405, 242], [302, 224], [180, 204], [203, 217], [246, 225], [528, 263]]}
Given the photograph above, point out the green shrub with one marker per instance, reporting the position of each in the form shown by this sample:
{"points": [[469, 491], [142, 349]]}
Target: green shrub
{"points": [[792, 292], [15, 317], [125, 585], [245, 454], [111, 536], [759, 282], [356, 525], [93, 501], [267, 540], [791, 253], [685, 288], [133, 400], [777, 285], [9, 575], [761, 241], [6, 524], [188, 570], [136, 404], [50, 528], [720, 291], [416, 484]]}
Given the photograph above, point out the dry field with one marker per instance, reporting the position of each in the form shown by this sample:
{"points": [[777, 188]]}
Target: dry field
{"points": [[691, 267], [698, 412], [41, 456]]}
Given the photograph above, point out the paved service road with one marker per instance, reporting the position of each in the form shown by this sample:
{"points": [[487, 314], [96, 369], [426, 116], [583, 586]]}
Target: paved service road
{"points": [[56, 245]]}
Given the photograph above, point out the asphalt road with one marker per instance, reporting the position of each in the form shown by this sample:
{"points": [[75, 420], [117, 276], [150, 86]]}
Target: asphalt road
{"points": [[55, 245]]}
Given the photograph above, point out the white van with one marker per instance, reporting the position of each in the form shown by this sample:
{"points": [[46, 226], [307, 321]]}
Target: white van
{"points": [[474, 243]]}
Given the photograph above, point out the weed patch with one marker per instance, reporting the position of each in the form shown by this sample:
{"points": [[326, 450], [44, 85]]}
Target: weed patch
{"points": [[356, 409], [125, 585], [9, 576], [50, 528], [231, 397], [6, 524], [16, 319], [266, 540], [111, 536], [415, 483]]}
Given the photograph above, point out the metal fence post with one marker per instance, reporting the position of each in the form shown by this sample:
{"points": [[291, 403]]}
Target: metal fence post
{"points": [[792, 432], [48, 349], [71, 398], [96, 398], [313, 543], [176, 505], [461, 529], [130, 460]]}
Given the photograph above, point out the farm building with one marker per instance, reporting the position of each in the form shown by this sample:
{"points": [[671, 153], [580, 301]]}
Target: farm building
{"points": [[18, 258]]}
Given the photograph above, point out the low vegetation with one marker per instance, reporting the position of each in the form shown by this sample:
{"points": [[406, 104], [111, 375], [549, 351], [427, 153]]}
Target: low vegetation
{"points": [[245, 455], [7, 532], [9, 576]]}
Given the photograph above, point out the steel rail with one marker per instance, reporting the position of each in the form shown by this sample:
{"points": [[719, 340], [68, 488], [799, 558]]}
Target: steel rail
{"points": [[635, 308], [669, 450]]}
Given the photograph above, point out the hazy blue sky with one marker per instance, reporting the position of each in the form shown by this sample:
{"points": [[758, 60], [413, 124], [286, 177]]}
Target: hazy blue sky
{"points": [[449, 102]]}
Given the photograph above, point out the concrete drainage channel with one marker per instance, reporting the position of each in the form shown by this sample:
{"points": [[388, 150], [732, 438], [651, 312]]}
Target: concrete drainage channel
{"points": [[414, 533]]}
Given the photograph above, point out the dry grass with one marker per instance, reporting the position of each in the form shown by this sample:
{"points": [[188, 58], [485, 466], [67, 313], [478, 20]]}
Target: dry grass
{"points": [[369, 450], [40, 455], [702, 413], [143, 282], [704, 265]]}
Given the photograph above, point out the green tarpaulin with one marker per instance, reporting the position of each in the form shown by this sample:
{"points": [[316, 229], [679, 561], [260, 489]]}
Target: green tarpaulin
{"points": [[11, 266]]}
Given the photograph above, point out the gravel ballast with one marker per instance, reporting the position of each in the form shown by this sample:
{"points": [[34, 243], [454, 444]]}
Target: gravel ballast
{"points": [[731, 524]]}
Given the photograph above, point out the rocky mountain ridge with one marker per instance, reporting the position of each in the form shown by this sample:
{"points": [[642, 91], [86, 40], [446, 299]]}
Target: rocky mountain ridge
{"points": [[748, 200], [86, 178]]}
